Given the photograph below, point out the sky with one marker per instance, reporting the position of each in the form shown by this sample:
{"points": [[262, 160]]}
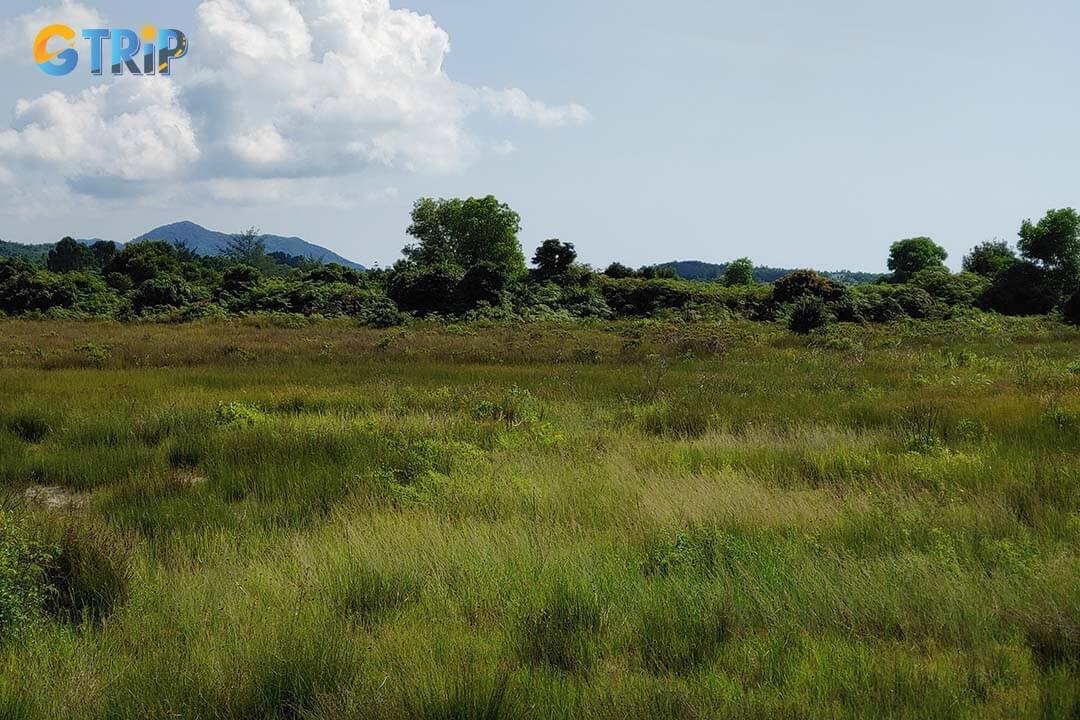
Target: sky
{"points": [[798, 134]]}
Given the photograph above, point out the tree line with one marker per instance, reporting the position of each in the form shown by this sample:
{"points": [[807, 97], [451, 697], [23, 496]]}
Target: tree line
{"points": [[465, 261]]}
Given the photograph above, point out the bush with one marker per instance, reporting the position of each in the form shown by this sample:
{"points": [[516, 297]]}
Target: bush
{"points": [[23, 589], [802, 283], [915, 302], [1023, 289], [236, 413], [808, 314], [1070, 309], [168, 291]]}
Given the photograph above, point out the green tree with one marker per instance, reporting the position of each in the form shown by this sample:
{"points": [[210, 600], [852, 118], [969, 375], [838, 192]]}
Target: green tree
{"points": [[553, 258], [907, 257], [240, 279], [69, 256], [617, 271], [146, 260], [1054, 243], [802, 283], [247, 247], [990, 259], [739, 272], [483, 283], [103, 251], [459, 234]]}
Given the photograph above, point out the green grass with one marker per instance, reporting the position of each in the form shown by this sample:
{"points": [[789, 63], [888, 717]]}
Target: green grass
{"points": [[619, 520]]}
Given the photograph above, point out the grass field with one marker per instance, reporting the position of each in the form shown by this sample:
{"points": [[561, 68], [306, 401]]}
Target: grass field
{"points": [[282, 519]]}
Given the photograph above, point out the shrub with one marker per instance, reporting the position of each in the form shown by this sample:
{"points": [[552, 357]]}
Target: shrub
{"points": [[235, 413], [23, 589], [808, 314], [1023, 289], [1070, 310], [168, 291], [915, 302], [801, 283]]}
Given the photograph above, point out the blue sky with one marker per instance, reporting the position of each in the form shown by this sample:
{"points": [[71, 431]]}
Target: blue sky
{"points": [[798, 134]]}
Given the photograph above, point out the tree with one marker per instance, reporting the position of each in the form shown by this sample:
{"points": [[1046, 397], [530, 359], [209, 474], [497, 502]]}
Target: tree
{"points": [[248, 247], [801, 283], [617, 271], [69, 256], [240, 279], [990, 259], [1070, 309], [658, 272], [103, 251], [144, 261], [739, 272], [1054, 243], [1024, 289], [483, 283], [553, 258], [463, 233], [424, 289], [907, 257]]}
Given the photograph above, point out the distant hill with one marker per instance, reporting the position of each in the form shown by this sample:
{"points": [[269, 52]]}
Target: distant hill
{"points": [[200, 240], [698, 270], [33, 253], [211, 242]]}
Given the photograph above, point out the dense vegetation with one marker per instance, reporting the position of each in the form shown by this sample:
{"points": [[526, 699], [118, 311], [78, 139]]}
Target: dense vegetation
{"points": [[466, 262], [279, 517]]}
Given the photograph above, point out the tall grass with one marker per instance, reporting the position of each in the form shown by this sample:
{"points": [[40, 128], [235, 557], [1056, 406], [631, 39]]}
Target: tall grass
{"points": [[611, 520]]}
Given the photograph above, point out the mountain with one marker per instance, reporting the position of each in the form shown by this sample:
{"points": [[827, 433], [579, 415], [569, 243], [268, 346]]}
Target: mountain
{"points": [[698, 270], [211, 242]]}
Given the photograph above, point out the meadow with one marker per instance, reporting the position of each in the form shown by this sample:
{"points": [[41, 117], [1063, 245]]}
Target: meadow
{"points": [[285, 518]]}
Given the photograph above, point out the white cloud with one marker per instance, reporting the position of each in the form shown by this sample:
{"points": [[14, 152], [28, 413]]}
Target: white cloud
{"points": [[17, 34], [279, 92], [125, 131], [520, 106]]}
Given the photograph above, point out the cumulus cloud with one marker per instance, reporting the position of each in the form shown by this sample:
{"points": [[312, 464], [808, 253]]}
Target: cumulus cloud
{"points": [[279, 92], [125, 131], [17, 34]]}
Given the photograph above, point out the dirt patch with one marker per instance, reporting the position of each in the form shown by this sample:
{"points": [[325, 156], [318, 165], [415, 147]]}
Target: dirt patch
{"points": [[54, 497]]}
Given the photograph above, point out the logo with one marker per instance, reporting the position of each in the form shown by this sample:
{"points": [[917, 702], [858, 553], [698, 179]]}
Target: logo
{"points": [[147, 52]]}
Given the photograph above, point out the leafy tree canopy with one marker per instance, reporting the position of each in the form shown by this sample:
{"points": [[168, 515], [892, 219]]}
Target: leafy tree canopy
{"points": [[465, 233], [990, 259], [553, 258], [69, 255], [907, 257], [1054, 242], [739, 272]]}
